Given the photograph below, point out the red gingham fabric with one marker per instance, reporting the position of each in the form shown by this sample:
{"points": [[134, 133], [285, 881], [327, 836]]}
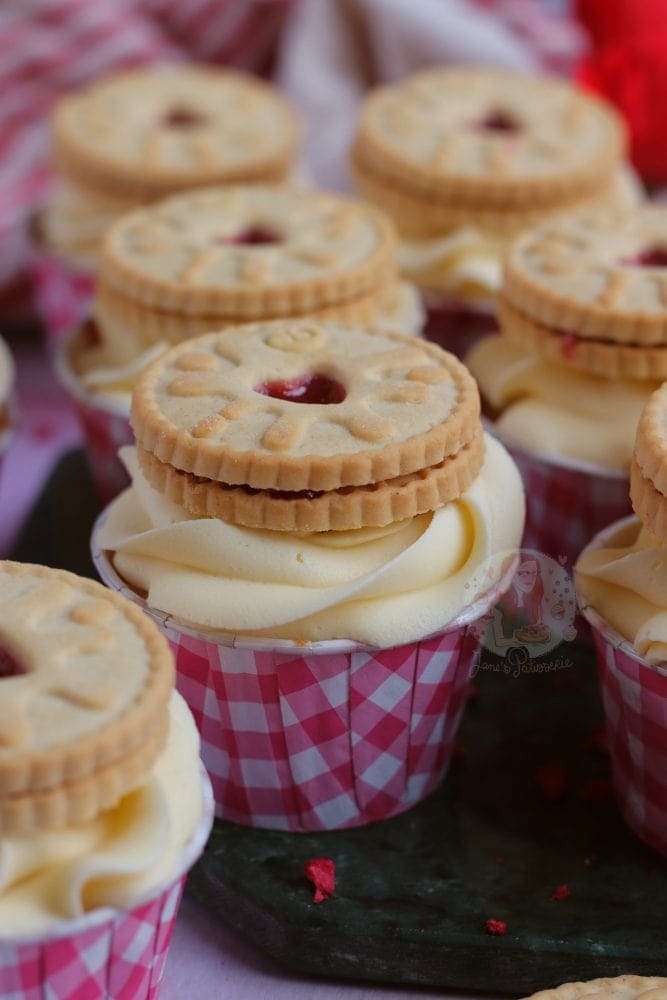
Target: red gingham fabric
{"points": [[323, 742], [634, 696], [123, 957], [48, 47], [567, 507]]}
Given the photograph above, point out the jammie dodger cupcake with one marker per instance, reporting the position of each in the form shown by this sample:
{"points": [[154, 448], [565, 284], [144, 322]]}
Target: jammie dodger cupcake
{"points": [[583, 344], [316, 516], [465, 159], [103, 802], [622, 588], [224, 256], [140, 135]]}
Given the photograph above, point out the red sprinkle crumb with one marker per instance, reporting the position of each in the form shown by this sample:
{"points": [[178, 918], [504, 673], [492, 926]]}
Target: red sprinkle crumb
{"points": [[569, 345], [496, 927], [553, 779], [322, 873], [561, 892]]}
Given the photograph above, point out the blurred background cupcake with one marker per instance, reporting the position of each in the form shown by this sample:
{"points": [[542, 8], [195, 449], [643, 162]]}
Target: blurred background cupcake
{"points": [[137, 136], [583, 343], [465, 159], [621, 579], [219, 257]]}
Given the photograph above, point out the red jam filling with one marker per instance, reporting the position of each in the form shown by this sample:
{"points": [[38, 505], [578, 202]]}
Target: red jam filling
{"points": [[253, 236], [498, 120], [306, 389], [651, 257], [182, 117], [9, 665]]}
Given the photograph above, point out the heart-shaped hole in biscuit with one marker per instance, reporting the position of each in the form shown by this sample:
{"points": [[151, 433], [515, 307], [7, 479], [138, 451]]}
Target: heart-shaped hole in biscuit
{"points": [[253, 236], [650, 257], [9, 665], [181, 116], [498, 120], [305, 389]]}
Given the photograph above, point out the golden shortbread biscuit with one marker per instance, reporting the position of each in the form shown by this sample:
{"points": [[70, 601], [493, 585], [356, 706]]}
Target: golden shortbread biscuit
{"points": [[145, 133], [301, 405], [620, 988], [374, 505], [596, 357], [468, 136], [86, 679], [597, 277]]}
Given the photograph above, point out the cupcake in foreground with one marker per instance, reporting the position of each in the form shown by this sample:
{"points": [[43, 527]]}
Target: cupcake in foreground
{"points": [[224, 256], [103, 806], [621, 988], [140, 135], [308, 491], [621, 580], [583, 319], [463, 161]]}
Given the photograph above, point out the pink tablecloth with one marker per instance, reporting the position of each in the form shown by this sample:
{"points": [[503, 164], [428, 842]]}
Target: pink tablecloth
{"points": [[209, 961]]}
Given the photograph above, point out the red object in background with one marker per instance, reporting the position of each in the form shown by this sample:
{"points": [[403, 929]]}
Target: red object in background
{"points": [[322, 873], [632, 74], [614, 20]]}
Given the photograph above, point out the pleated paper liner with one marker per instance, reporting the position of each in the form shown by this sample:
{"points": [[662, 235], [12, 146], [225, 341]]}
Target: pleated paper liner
{"points": [[634, 696], [320, 735], [108, 952]]}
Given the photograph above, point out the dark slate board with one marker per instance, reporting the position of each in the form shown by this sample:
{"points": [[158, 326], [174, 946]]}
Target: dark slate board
{"points": [[414, 892]]}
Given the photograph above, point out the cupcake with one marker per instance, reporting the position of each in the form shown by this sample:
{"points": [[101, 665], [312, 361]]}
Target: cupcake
{"points": [[316, 517], [583, 345], [136, 137], [103, 802], [463, 161], [620, 988], [223, 256], [621, 579]]}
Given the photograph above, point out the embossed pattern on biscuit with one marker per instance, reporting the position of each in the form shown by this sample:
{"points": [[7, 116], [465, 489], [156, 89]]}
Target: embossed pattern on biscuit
{"points": [[218, 389], [465, 125], [175, 121], [58, 648], [208, 239], [601, 276]]}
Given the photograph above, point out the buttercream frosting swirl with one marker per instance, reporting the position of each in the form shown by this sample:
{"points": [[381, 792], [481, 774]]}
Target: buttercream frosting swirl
{"points": [[381, 587], [115, 859], [626, 583], [546, 407]]}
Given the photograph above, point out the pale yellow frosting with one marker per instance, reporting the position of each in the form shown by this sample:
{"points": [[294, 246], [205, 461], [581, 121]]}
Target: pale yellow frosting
{"points": [[466, 263], [114, 860], [626, 583], [546, 407], [382, 587]]}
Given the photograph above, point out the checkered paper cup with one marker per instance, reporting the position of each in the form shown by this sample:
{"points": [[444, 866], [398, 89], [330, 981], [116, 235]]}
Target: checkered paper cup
{"points": [[567, 502], [107, 953], [105, 426], [457, 325], [322, 735], [63, 295], [634, 696]]}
